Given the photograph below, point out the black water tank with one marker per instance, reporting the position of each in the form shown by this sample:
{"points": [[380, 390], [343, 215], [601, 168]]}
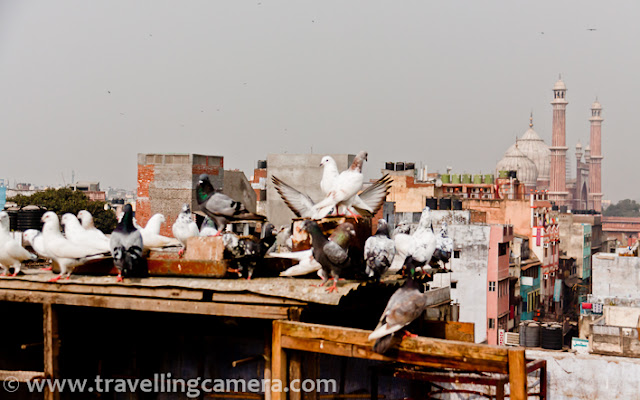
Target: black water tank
{"points": [[389, 166], [29, 218], [457, 204], [513, 174], [432, 203], [399, 166], [445, 204], [13, 218], [552, 337], [262, 164], [532, 338], [409, 166]]}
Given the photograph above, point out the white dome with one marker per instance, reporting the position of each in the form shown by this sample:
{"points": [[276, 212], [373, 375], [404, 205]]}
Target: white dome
{"points": [[516, 160], [559, 85], [537, 151]]}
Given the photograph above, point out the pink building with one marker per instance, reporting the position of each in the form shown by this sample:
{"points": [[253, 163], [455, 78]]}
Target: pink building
{"points": [[498, 282]]}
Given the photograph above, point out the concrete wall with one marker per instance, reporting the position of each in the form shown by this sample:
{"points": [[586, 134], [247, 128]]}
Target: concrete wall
{"points": [[587, 377], [470, 273], [408, 195], [615, 276], [237, 186], [513, 212], [303, 172]]}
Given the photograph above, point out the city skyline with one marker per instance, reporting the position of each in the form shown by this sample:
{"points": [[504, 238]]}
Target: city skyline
{"points": [[438, 84]]}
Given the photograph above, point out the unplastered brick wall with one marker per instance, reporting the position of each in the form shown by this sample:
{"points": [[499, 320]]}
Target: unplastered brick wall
{"points": [[167, 181]]}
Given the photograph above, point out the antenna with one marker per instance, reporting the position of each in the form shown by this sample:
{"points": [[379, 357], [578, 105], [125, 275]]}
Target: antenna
{"points": [[63, 181]]}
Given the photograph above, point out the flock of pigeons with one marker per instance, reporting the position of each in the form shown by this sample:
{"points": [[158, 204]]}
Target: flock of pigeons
{"points": [[415, 253]]}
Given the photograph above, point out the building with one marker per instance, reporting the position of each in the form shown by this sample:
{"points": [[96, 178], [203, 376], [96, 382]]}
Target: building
{"points": [[542, 167], [624, 230], [479, 272], [91, 190]]}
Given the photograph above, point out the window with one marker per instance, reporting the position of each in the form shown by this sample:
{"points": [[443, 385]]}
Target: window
{"points": [[454, 285], [492, 286], [533, 300], [456, 254], [502, 248], [492, 323]]}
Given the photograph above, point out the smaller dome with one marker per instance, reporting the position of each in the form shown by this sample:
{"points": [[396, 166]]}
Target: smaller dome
{"points": [[516, 160], [578, 146], [596, 105], [559, 85]]}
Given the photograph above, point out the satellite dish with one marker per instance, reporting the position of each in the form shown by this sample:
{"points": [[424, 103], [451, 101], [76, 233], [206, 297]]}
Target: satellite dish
{"points": [[438, 182]]}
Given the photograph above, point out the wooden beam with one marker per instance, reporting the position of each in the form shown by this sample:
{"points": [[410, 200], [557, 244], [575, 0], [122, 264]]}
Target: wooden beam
{"points": [[459, 352], [20, 376], [517, 374], [51, 347], [408, 357], [278, 362], [142, 304]]}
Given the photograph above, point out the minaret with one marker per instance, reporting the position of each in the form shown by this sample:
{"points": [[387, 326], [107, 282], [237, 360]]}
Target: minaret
{"points": [[595, 165], [558, 186]]}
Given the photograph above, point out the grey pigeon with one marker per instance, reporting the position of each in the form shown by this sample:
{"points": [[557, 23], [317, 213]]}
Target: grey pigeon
{"points": [[219, 207], [333, 258], [208, 227], [404, 306], [379, 250], [126, 247]]}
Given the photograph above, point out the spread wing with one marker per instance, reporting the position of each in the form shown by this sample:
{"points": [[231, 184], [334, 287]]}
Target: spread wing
{"points": [[372, 198], [298, 202]]}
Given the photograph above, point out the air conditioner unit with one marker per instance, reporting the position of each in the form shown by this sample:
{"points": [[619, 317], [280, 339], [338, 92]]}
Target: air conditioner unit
{"points": [[512, 339]]}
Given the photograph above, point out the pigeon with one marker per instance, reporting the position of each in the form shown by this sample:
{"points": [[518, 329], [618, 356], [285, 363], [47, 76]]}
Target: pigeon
{"points": [[332, 257], [329, 174], [423, 243], [208, 227], [127, 246], [12, 254], [86, 219], [405, 305], [67, 254], [365, 204], [344, 188], [306, 263], [185, 227], [75, 233], [35, 239], [247, 251], [444, 246], [284, 242], [379, 250], [151, 237], [402, 241], [220, 207]]}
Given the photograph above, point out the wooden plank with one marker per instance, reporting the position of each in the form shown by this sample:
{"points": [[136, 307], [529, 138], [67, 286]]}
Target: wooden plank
{"points": [[120, 290], [449, 377], [253, 299], [20, 376], [517, 374], [366, 352], [51, 347], [142, 304], [295, 372], [278, 361], [421, 345], [460, 331]]}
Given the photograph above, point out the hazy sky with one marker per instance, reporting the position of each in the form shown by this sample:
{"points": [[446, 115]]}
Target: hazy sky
{"points": [[86, 85]]}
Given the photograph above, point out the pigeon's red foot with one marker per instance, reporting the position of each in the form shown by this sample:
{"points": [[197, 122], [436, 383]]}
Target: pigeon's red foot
{"points": [[14, 274], [46, 269], [233, 270], [217, 234], [3, 274], [119, 278], [333, 287], [181, 252], [408, 334], [56, 279]]}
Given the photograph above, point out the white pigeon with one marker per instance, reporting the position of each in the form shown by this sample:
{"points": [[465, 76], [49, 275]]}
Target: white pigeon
{"points": [[403, 241], [74, 232], [424, 242], [35, 239], [329, 174], [185, 227], [306, 263], [379, 250], [67, 254], [344, 189], [86, 219], [12, 254], [151, 237]]}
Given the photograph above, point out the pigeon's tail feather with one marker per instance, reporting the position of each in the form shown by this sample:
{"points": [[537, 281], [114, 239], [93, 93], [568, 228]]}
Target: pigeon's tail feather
{"points": [[383, 344]]}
